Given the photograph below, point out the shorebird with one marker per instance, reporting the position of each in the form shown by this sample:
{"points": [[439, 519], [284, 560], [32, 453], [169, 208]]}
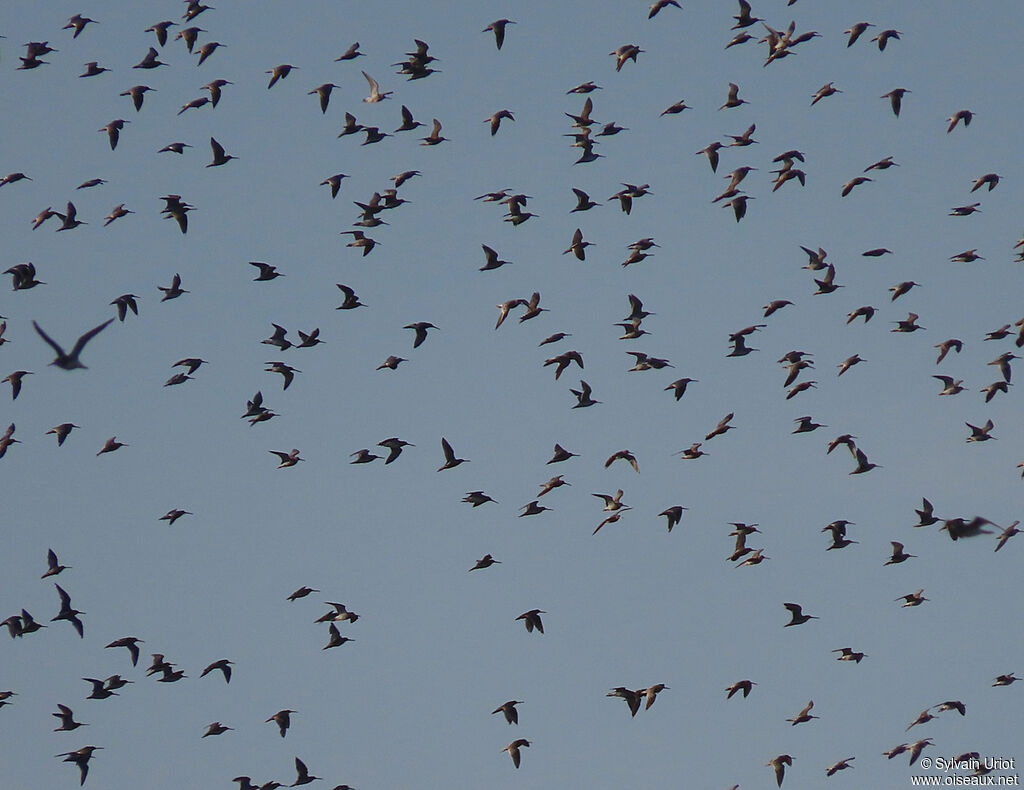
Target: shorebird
{"points": [[513, 749], [612, 519], [509, 710], [215, 728], [278, 338], [583, 398], [611, 502], [909, 324], [53, 566], [160, 30], [912, 599], [435, 137], [711, 151], [733, 99], [223, 665], [658, 5], [476, 498], [111, 445], [279, 73], [485, 562], [324, 92], [960, 115], [804, 715], [15, 381], [395, 446], [496, 119], [902, 288], [375, 92], [283, 720], [132, 644], [551, 485], [1005, 680], [898, 555], [124, 303], [826, 90], [219, 157], [67, 612], [1003, 363], [420, 328], [77, 23], [950, 386], [531, 620], [350, 54], [922, 717], [360, 239], [797, 614], [722, 427], [391, 363], [80, 757], [363, 456], [692, 452], [175, 289], [303, 775], [980, 433], [450, 461], [498, 28], [631, 697], [624, 53], [839, 766], [302, 592], [779, 764], [674, 515], [205, 51], [99, 689], [679, 386], [190, 35], [534, 508], [856, 31], [917, 747], [743, 686], [287, 459], [150, 60], [561, 454], [67, 719], [806, 424], [849, 654], [1007, 533]]}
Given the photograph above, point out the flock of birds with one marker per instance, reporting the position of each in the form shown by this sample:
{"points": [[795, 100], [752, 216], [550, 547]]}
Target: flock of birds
{"points": [[193, 35]]}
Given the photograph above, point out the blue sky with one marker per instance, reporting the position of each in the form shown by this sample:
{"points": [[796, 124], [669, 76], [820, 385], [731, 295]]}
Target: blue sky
{"points": [[437, 648]]}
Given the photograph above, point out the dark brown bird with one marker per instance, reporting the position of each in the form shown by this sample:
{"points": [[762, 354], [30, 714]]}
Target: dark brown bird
{"points": [[283, 719], [450, 461], [531, 620], [498, 28]]}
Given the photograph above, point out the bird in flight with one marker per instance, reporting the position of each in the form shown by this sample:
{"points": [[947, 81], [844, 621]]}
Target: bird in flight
{"points": [[65, 360]]}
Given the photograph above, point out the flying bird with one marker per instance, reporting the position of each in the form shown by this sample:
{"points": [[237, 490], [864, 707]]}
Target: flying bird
{"points": [[70, 361], [498, 28]]}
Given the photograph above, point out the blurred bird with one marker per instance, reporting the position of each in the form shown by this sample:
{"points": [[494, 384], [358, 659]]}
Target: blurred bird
{"points": [[779, 764]]}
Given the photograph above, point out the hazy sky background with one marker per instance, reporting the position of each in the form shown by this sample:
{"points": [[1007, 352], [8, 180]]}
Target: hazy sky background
{"points": [[436, 648]]}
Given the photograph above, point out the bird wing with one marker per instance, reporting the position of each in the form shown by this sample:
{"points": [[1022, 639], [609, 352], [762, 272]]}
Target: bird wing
{"points": [[80, 343], [50, 340], [374, 87]]}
